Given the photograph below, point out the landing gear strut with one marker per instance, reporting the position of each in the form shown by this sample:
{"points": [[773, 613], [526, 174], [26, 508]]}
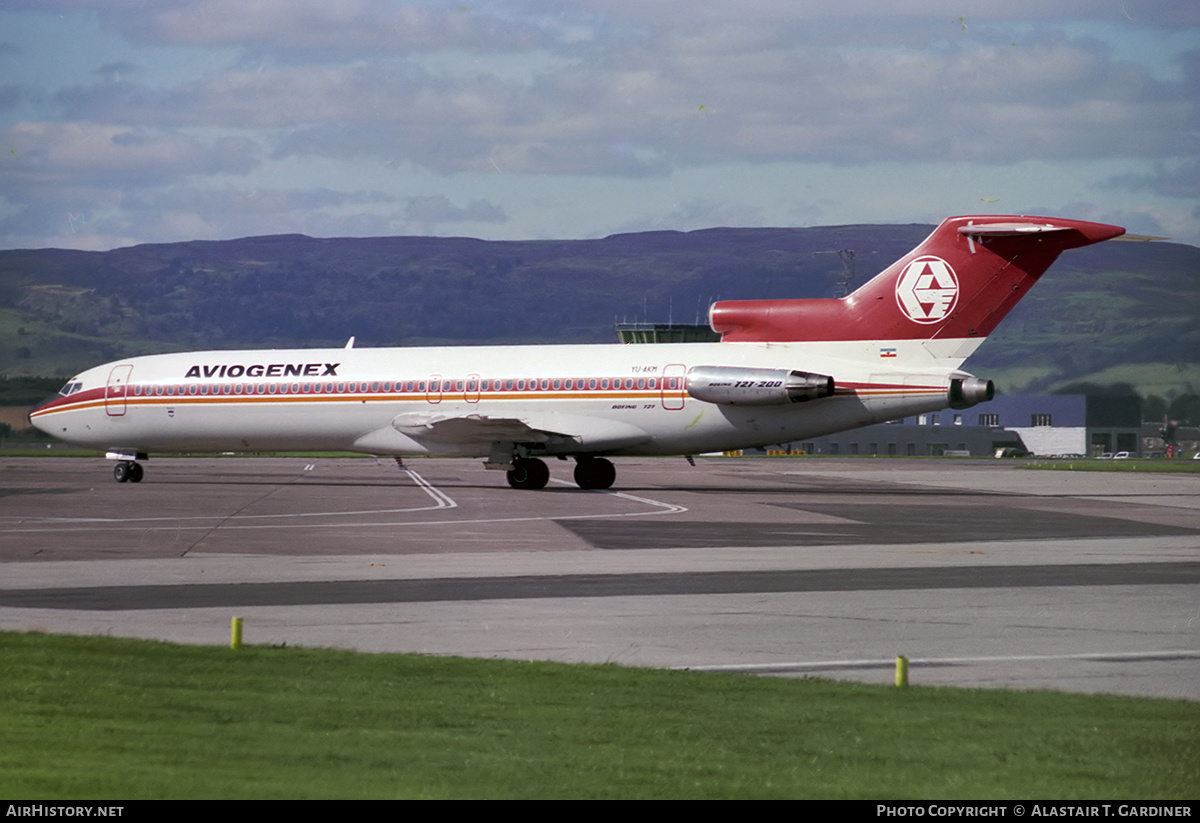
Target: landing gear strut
{"points": [[127, 471], [528, 473], [594, 473]]}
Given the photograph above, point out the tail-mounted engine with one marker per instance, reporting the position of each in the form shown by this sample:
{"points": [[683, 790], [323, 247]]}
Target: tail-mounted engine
{"points": [[732, 386], [967, 391]]}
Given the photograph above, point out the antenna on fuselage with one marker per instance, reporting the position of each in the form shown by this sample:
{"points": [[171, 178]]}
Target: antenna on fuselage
{"points": [[350, 342]]}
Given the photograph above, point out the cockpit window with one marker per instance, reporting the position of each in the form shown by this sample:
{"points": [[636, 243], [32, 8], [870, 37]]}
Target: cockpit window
{"points": [[71, 388]]}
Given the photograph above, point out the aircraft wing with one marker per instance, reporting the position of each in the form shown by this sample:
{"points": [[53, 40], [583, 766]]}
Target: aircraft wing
{"points": [[440, 428], [562, 433]]}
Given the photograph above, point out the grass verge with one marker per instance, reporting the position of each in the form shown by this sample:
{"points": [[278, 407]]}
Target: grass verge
{"points": [[100, 718], [1156, 466]]}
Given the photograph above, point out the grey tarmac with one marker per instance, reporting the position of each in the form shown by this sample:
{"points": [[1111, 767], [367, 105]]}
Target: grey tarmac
{"points": [[980, 572]]}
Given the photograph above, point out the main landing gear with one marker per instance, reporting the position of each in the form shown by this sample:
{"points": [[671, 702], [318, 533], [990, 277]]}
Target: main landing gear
{"points": [[528, 473], [594, 473], [127, 471], [590, 473]]}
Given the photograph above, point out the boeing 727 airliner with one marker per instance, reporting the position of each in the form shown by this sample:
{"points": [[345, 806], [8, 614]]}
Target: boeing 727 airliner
{"points": [[784, 370]]}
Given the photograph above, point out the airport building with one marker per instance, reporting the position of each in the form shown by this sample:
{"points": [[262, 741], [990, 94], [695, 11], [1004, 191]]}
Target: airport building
{"points": [[1040, 424], [666, 333], [1184, 440]]}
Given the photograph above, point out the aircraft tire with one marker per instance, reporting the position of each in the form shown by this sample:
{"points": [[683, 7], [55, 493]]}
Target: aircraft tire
{"points": [[594, 473], [121, 471], [528, 473], [136, 472]]}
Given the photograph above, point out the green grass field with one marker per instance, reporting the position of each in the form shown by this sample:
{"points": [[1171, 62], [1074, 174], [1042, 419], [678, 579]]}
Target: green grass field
{"points": [[1157, 466], [99, 718]]}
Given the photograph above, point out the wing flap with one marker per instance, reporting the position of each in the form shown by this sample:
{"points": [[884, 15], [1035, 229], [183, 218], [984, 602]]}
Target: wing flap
{"points": [[555, 432]]}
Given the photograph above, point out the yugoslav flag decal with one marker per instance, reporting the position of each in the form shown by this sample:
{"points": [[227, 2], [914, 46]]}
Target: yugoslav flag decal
{"points": [[927, 290]]}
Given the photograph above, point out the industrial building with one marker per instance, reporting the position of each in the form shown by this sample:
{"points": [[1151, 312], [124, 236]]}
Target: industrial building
{"points": [[1039, 424]]}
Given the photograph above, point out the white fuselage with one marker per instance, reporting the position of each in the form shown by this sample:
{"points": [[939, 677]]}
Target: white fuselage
{"points": [[580, 399]]}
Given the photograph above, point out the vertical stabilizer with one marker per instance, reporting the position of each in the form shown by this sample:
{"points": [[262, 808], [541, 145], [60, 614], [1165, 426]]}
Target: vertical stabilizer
{"points": [[957, 285]]}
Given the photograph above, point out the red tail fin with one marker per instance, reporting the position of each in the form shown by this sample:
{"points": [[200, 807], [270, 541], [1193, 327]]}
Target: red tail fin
{"points": [[959, 283]]}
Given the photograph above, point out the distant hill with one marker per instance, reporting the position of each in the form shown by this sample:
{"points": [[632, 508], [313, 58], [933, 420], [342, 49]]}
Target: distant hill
{"points": [[1132, 306]]}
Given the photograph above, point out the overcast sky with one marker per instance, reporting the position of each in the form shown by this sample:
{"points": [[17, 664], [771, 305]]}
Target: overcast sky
{"points": [[134, 121]]}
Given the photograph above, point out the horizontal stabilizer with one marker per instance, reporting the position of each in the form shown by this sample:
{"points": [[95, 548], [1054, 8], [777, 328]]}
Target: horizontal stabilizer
{"points": [[1008, 229]]}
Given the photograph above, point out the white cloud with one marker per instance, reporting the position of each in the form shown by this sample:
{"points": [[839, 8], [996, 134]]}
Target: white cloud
{"points": [[604, 108], [347, 27], [1182, 180], [705, 92], [438, 209], [91, 153]]}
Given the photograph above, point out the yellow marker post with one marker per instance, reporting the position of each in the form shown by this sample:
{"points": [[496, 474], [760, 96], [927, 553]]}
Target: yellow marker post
{"points": [[901, 672], [235, 634]]}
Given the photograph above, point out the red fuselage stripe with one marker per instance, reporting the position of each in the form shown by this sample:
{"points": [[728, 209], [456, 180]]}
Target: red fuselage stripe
{"points": [[216, 394]]}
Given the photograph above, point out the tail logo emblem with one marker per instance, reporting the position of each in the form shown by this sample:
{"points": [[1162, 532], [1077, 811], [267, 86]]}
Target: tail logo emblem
{"points": [[927, 290]]}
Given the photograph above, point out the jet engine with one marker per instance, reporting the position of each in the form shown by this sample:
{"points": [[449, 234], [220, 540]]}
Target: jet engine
{"points": [[733, 386], [967, 391]]}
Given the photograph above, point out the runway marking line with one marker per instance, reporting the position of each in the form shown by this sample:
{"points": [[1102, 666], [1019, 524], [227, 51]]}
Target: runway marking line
{"points": [[440, 498], [443, 500]]}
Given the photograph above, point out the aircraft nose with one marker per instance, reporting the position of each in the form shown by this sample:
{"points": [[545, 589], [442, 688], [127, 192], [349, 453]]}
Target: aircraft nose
{"points": [[40, 407]]}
